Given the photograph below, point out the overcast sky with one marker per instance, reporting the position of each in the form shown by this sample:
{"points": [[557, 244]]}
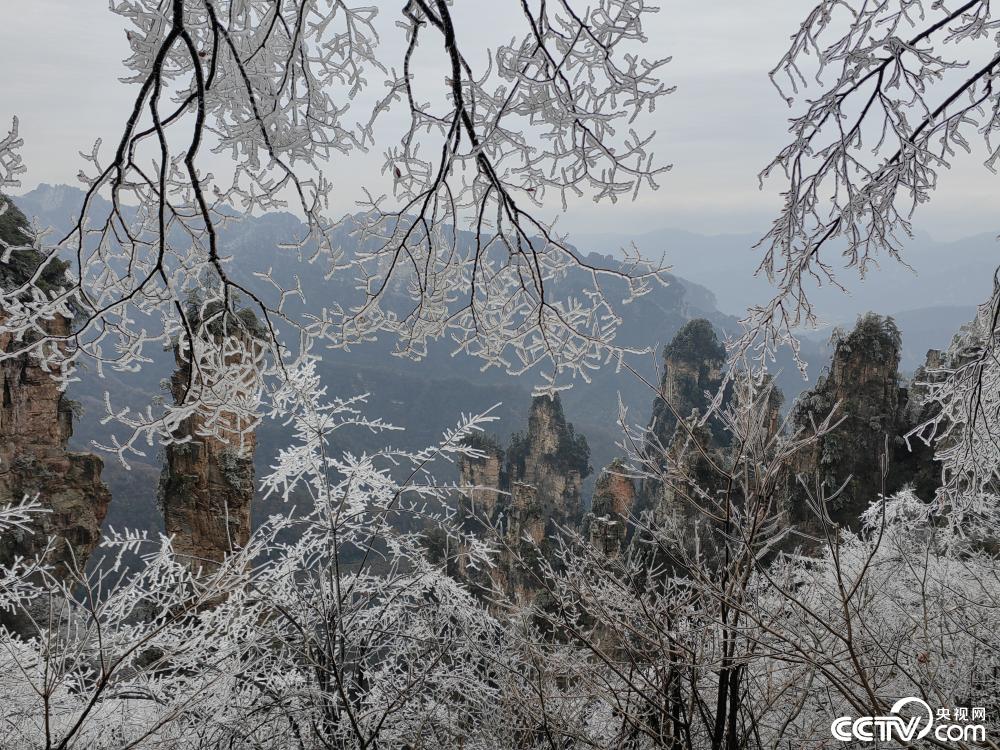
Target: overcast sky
{"points": [[61, 60]]}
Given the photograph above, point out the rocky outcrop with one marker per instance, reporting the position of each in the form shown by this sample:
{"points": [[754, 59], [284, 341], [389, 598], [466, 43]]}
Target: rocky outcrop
{"points": [[686, 491], [692, 375], [537, 489], [863, 379], [207, 484], [692, 367], [546, 467], [608, 525], [913, 459], [36, 423], [862, 456], [688, 500], [483, 476]]}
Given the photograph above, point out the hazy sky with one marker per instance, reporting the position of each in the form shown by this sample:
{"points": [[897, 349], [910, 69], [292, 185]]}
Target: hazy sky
{"points": [[62, 58]]}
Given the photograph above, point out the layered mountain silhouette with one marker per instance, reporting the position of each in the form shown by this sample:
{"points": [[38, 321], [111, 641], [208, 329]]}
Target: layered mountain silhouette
{"points": [[427, 397]]}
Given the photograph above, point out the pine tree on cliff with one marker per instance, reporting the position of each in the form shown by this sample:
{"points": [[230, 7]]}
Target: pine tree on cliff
{"points": [[20, 260]]}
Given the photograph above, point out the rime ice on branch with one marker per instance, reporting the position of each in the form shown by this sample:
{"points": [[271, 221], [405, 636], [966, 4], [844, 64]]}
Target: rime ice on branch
{"points": [[280, 87]]}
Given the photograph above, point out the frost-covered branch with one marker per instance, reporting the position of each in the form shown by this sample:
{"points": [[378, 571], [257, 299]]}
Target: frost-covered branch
{"points": [[460, 252], [903, 86]]}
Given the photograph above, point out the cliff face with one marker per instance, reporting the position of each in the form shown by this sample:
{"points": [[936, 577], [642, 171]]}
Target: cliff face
{"points": [[850, 466], [485, 475], [36, 423], [538, 487], [608, 525], [207, 484], [692, 365], [913, 461], [863, 377], [546, 468]]}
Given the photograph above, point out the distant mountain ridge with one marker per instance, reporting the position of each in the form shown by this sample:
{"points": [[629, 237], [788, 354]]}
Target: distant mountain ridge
{"points": [[930, 301], [427, 397]]}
